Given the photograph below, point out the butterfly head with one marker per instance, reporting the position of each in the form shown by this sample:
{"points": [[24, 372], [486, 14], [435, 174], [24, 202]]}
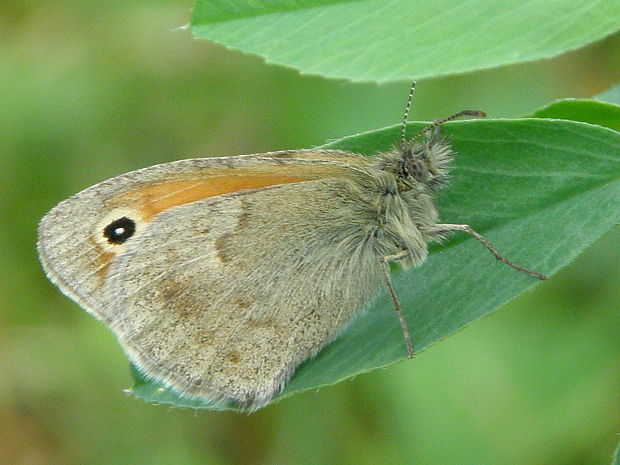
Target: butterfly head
{"points": [[420, 165], [424, 163]]}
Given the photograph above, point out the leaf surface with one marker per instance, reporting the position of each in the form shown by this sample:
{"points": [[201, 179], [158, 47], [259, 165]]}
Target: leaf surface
{"points": [[388, 40]]}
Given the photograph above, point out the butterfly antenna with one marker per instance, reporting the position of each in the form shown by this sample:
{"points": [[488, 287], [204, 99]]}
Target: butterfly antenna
{"points": [[436, 124], [403, 135]]}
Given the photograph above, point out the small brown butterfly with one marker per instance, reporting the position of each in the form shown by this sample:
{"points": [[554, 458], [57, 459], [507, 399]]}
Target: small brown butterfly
{"points": [[219, 276]]}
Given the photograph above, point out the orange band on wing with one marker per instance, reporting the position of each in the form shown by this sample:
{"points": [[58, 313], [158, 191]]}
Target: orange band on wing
{"points": [[152, 199]]}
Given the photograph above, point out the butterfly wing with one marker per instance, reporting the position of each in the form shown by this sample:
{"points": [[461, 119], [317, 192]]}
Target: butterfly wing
{"points": [[76, 254], [222, 296]]}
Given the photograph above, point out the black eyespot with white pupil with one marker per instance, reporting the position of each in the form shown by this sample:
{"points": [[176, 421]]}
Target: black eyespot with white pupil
{"points": [[118, 231]]}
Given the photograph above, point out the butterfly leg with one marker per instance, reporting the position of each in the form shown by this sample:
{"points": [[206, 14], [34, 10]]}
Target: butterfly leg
{"points": [[446, 228], [385, 267]]}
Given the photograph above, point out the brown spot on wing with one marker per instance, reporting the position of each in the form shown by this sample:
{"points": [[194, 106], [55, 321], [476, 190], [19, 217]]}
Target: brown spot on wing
{"points": [[169, 290], [104, 264], [222, 247], [224, 244], [259, 323], [233, 357], [205, 337], [242, 302]]}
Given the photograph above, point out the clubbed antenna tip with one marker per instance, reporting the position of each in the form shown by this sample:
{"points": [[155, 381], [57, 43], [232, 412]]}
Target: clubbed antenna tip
{"points": [[478, 113], [435, 124]]}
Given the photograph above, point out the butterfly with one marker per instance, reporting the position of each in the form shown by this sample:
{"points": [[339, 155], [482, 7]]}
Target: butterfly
{"points": [[219, 276]]}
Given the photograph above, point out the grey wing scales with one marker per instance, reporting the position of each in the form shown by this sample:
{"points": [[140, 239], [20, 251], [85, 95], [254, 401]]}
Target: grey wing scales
{"points": [[222, 298]]}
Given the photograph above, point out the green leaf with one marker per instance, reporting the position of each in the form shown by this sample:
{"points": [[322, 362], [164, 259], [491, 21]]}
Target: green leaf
{"points": [[540, 190], [616, 458], [588, 111], [388, 40]]}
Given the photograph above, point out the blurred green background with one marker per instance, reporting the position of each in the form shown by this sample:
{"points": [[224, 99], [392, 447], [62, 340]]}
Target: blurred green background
{"points": [[89, 90]]}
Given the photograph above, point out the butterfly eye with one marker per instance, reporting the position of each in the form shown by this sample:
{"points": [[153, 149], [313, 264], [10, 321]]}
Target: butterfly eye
{"points": [[119, 230], [417, 169]]}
